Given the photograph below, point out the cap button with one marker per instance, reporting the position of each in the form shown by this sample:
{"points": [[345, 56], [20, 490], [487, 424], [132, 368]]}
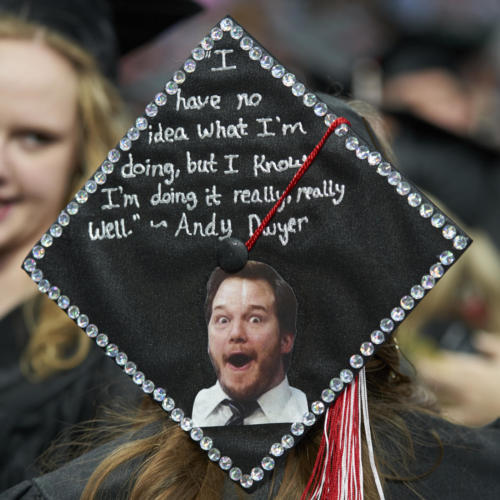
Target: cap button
{"points": [[232, 255]]}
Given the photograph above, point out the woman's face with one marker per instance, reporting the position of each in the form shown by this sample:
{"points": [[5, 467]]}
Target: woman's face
{"points": [[39, 133]]}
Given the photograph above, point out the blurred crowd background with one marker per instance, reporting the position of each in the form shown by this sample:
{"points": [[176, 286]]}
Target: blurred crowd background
{"points": [[432, 70]]}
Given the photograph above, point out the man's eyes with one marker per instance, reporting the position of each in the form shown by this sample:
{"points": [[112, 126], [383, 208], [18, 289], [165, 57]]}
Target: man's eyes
{"points": [[255, 319]]}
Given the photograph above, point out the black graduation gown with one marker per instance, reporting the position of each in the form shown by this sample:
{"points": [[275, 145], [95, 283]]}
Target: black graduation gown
{"points": [[33, 414], [469, 469]]}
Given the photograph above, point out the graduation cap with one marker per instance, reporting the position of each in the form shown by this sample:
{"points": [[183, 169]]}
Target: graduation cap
{"points": [[245, 249]]}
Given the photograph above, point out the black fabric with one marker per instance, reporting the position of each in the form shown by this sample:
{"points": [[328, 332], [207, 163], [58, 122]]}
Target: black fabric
{"points": [[33, 414], [141, 278], [86, 22], [466, 466]]}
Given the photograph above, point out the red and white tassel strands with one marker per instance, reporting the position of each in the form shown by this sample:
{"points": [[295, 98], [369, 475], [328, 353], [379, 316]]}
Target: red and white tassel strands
{"points": [[338, 471]]}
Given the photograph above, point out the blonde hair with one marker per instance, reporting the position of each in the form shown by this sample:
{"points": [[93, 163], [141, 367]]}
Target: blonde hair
{"points": [[55, 342]]}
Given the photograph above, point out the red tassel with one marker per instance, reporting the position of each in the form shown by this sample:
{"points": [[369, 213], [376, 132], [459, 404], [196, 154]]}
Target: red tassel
{"points": [[337, 472]]}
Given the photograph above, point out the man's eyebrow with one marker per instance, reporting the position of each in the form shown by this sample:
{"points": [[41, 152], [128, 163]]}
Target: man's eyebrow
{"points": [[258, 306]]}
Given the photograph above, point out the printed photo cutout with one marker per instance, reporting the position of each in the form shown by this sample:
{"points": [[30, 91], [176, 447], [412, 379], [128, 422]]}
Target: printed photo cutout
{"points": [[251, 318]]}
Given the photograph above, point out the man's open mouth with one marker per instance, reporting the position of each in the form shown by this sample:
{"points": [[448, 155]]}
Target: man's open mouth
{"points": [[239, 360]]}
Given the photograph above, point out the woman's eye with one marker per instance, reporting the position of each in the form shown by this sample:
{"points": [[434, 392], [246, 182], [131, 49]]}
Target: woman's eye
{"points": [[31, 140]]}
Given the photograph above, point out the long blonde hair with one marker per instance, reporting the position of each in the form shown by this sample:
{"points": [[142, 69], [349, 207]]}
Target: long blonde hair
{"points": [[55, 342]]}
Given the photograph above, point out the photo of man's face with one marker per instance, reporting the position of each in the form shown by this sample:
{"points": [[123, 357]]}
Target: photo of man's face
{"points": [[245, 343]]}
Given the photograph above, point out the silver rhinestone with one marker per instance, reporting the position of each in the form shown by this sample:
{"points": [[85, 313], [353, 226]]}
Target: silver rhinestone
{"points": [[346, 376], [198, 53], [298, 89], [38, 252], [407, 302], [171, 88], [308, 419], [54, 293], [297, 428], [196, 434], [384, 169], [63, 218], [121, 359], [179, 77], [82, 196], [329, 119], [148, 386], [436, 271], [159, 394], [246, 481], [287, 441], [309, 99], [255, 53], [92, 331], [351, 143], [151, 109], [356, 361], [207, 43], [438, 220], [63, 302], [176, 414], [138, 377], [113, 155], [102, 340], [29, 265], [73, 312], [447, 258], [107, 167], [460, 242], [426, 210], [246, 43], [133, 133], [403, 188], [341, 130], [398, 314], [267, 463], [225, 463], [374, 158], [37, 275], [44, 286], [362, 152], [168, 404], [449, 232], [130, 368], [125, 144], [216, 34], [277, 450], [160, 99], [387, 325], [186, 424], [257, 474], [237, 32], [90, 187], [235, 473], [189, 66], [226, 24], [414, 199], [320, 109], [336, 384], [289, 80], [72, 208], [266, 62], [206, 444], [318, 407], [100, 177], [377, 337], [112, 350], [417, 292], [214, 454], [394, 178], [327, 395], [367, 349], [427, 282], [278, 71], [141, 123]]}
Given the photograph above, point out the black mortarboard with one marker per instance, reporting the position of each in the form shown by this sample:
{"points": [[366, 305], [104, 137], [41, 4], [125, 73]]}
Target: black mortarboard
{"points": [[130, 257]]}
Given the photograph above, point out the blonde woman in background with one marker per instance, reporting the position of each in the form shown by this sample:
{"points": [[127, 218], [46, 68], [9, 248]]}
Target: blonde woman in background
{"points": [[59, 115]]}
